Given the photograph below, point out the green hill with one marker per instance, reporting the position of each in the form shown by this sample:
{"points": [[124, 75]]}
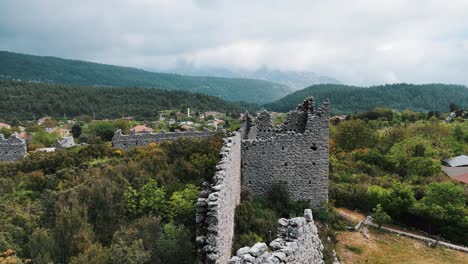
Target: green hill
{"points": [[348, 99], [56, 70], [21, 100]]}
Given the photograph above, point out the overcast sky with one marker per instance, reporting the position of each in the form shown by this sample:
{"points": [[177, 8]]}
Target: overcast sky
{"points": [[362, 42]]}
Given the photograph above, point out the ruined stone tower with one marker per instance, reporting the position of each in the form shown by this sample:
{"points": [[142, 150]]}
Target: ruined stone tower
{"points": [[258, 156], [295, 154]]}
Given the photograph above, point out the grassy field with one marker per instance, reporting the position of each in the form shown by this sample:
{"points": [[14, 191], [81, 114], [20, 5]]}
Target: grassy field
{"points": [[384, 247]]}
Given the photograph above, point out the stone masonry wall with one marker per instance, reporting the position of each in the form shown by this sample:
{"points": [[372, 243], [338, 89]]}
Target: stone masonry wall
{"points": [[297, 243], [294, 155], [297, 161], [141, 139], [12, 149], [217, 204]]}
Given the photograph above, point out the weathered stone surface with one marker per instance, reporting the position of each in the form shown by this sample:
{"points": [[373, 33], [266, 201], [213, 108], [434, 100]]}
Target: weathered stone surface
{"points": [[66, 142], [308, 215], [141, 139], [306, 247], [294, 155], [222, 197], [12, 149], [258, 249]]}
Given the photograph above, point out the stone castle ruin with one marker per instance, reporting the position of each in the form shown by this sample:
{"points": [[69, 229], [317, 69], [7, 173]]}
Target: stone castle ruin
{"points": [[141, 139], [12, 149], [294, 154], [258, 156]]}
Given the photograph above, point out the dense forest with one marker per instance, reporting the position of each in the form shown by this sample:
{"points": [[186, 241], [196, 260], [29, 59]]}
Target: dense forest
{"points": [[348, 99], [22, 100], [97, 204], [56, 70]]}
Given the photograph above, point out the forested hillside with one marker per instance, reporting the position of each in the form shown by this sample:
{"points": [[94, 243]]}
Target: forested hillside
{"points": [[56, 70], [96, 204], [348, 99], [22, 100]]}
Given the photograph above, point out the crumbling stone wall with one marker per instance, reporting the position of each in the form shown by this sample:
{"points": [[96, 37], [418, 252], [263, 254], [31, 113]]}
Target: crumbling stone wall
{"points": [[66, 142], [141, 139], [12, 149], [298, 242], [217, 204], [294, 155]]}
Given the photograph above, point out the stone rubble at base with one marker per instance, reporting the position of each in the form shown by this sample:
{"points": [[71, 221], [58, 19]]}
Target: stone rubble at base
{"points": [[297, 242]]}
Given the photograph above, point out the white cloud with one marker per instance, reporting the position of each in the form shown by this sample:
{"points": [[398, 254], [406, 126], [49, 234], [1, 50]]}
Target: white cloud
{"points": [[358, 42]]}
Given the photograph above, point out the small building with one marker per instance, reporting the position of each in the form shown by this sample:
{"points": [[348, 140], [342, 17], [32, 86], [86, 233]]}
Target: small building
{"points": [[462, 178], [171, 121], [4, 125], [456, 168], [459, 161], [141, 129], [42, 120], [64, 132]]}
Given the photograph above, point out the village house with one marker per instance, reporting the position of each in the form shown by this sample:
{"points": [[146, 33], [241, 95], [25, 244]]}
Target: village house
{"points": [[456, 168], [141, 129], [4, 125]]}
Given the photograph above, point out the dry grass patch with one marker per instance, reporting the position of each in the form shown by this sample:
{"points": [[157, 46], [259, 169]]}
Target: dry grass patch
{"points": [[384, 247]]}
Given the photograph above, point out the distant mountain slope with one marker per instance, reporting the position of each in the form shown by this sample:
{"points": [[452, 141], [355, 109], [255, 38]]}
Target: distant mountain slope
{"points": [[21, 100], [348, 99], [295, 79], [56, 70]]}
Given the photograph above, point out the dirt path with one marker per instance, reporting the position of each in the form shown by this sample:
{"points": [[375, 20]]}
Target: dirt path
{"points": [[356, 217]]}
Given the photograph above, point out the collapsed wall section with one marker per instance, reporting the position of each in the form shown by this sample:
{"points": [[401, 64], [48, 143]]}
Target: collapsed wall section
{"points": [[141, 139], [217, 204], [12, 149], [298, 242]]}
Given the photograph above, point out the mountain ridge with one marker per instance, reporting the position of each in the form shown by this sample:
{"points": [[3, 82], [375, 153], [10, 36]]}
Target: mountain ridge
{"points": [[347, 99], [17, 66]]}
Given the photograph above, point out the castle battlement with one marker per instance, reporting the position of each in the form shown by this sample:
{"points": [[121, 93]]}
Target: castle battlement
{"points": [[294, 154]]}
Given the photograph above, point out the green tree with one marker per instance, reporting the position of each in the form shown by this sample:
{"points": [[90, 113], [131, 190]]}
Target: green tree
{"points": [[127, 248], [379, 216], [182, 204], [72, 233], [354, 134], [174, 246], [94, 254], [103, 129], [41, 246], [76, 131], [444, 202]]}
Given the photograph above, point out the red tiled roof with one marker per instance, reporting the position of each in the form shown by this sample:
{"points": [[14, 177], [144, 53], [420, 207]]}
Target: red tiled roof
{"points": [[462, 178], [141, 128]]}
